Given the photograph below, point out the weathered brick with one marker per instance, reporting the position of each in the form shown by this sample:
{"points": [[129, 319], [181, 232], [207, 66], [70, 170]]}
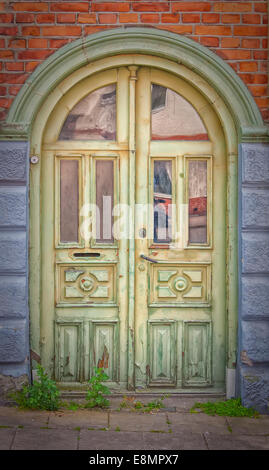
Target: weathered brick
{"points": [[250, 30], [61, 30], [209, 41], [30, 6], [14, 89], [30, 66], [261, 7], [107, 18], [37, 43], [55, 43], [210, 18], [230, 19], [179, 29], [96, 28], [248, 66], [66, 18], [14, 66], [150, 18], [251, 43], [6, 17], [12, 78], [230, 42], [87, 18], [33, 54], [235, 54], [5, 102], [17, 43], [128, 18], [8, 30], [111, 6], [252, 78], [170, 18], [191, 18], [151, 6], [6, 54], [251, 19], [70, 6], [260, 55], [232, 6], [30, 31], [191, 6], [258, 90], [262, 102], [46, 18], [211, 30], [25, 18]]}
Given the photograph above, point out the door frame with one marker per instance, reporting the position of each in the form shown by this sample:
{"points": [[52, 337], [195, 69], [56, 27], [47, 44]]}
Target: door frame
{"points": [[226, 95]]}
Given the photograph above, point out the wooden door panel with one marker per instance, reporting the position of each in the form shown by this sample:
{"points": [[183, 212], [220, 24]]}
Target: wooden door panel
{"points": [[197, 354], [180, 284], [69, 348], [162, 353], [105, 347]]}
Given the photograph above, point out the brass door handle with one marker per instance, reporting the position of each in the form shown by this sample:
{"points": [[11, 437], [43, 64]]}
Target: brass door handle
{"points": [[148, 259]]}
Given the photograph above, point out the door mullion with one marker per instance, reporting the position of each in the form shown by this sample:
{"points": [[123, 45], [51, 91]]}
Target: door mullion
{"points": [[131, 290]]}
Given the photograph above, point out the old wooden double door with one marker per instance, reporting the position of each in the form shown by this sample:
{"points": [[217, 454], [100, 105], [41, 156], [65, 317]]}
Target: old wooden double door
{"points": [[133, 234]]}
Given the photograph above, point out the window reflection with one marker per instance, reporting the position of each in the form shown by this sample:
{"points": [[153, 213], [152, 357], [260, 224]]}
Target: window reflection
{"points": [[69, 201], [198, 201], [173, 118], [93, 118], [162, 187]]}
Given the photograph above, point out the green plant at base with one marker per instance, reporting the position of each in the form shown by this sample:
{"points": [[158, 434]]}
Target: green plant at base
{"points": [[95, 395], [42, 395], [155, 404], [232, 407], [134, 405]]}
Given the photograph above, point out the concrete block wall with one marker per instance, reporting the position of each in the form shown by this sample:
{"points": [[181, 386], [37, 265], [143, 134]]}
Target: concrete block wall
{"points": [[14, 317], [253, 348]]}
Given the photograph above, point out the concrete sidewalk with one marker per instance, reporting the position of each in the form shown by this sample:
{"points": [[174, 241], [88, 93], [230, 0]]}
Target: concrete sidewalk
{"points": [[173, 428]]}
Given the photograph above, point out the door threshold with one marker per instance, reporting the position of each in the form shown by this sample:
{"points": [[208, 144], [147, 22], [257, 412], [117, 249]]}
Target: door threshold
{"points": [[80, 394]]}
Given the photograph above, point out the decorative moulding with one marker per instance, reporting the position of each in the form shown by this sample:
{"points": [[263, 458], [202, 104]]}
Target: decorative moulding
{"points": [[149, 41]]}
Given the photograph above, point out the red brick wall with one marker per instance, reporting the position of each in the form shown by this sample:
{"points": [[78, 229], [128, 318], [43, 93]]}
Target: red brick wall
{"points": [[30, 31]]}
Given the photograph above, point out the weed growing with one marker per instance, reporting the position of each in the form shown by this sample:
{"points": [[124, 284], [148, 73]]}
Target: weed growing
{"points": [[134, 405], [95, 396], [42, 395], [232, 407]]}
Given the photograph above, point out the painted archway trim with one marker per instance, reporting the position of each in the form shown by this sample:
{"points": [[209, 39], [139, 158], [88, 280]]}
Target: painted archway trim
{"points": [[149, 41]]}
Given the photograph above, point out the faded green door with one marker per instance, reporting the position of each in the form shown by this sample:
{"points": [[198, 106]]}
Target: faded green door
{"points": [[180, 245], [133, 234]]}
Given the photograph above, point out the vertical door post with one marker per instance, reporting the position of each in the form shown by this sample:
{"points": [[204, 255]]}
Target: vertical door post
{"points": [[131, 290]]}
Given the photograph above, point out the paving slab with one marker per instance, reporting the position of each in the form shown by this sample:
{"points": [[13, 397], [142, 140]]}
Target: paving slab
{"points": [[111, 440], [197, 423], [134, 421], [15, 417], [249, 426], [45, 439], [6, 437], [217, 442], [175, 441], [79, 418]]}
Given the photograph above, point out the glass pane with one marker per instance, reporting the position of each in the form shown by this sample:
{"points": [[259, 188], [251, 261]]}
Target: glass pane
{"points": [[104, 200], [162, 187], [198, 201], [173, 118], [93, 118], [69, 201]]}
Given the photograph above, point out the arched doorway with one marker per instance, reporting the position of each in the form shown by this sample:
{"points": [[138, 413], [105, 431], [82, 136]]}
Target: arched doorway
{"points": [[40, 105], [146, 301]]}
